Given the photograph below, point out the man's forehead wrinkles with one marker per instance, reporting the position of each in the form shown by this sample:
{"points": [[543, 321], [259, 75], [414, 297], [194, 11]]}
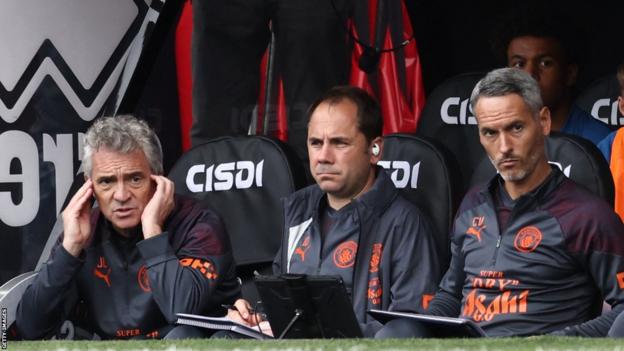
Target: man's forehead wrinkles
{"points": [[328, 136], [116, 171], [497, 121]]}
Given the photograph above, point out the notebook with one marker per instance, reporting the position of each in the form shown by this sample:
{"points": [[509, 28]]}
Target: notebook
{"points": [[440, 327], [221, 323]]}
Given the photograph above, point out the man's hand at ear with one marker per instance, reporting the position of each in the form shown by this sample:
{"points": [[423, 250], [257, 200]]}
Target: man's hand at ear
{"points": [[158, 208], [76, 220]]}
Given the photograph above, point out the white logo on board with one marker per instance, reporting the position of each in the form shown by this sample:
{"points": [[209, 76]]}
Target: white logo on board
{"points": [[606, 111], [403, 174], [462, 111], [225, 176]]}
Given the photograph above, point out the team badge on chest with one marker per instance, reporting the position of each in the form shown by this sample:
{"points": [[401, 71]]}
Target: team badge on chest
{"points": [[527, 239], [344, 255]]}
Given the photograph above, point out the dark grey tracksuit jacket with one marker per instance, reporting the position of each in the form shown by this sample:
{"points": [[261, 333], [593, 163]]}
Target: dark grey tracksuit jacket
{"points": [[560, 255], [396, 266], [134, 288]]}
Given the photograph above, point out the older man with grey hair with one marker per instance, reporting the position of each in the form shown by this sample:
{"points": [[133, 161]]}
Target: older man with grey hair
{"points": [[532, 252], [141, 256]]}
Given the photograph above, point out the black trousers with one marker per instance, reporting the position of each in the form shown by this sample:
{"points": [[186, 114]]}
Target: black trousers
{"points": [[617, 329], [229, 39], [187, 332], [403, 328]]}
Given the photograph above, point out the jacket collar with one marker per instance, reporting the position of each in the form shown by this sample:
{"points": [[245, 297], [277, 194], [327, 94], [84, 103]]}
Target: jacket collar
{"points": [[381, 194], [376, 199], [539, 193]]}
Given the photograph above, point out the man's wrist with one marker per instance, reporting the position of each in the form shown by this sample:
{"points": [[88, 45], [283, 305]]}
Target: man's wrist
{"points": [[73, 249], [150, 231]]}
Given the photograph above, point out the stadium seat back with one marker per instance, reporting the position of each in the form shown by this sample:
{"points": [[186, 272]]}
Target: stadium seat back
{"points": [[448, 118], [428, 175], [600, 100], [243, 179]]}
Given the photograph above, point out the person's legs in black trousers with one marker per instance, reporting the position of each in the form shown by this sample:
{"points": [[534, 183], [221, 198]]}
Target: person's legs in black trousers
{"points": [[229, 39]]}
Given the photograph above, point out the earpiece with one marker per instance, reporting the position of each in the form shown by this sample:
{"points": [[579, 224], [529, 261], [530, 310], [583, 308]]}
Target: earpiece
{"points": [[375, 149]]}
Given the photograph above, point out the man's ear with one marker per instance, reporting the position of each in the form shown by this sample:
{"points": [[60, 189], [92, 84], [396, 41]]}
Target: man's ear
{"points": [[375, 150], [621, 104], [544, 120]]}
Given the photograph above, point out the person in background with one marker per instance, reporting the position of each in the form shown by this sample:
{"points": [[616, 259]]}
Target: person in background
{"points": [[542, 41], [311, 54]]}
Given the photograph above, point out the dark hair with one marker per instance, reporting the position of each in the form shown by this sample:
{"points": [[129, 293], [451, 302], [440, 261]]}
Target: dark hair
{"points": [[370, 122], [538, 19]]}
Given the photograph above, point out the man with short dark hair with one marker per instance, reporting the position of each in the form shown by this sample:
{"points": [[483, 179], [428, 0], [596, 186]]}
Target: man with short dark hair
{"points": [[353, 222], [541, 41], [137, 259], [532, 251]]}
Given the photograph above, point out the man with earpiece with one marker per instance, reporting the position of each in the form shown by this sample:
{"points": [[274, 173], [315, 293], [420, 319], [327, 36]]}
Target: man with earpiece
{"points": [[353, 222]]}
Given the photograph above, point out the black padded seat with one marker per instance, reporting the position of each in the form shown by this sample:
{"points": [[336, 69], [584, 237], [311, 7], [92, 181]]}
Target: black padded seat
{"points": [[600, 100], [242, 178], [428, 175], [447, 117]]}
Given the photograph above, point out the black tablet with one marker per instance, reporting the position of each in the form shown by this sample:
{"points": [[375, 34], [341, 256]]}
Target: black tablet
{"points": [[440, 327], [306, 306]]}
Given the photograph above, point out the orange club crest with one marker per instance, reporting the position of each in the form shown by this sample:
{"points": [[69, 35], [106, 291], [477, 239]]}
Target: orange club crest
{"points": [[344, 255], [527, 239]]}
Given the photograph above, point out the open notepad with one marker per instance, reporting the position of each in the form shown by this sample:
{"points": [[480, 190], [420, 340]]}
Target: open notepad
{"points": [[221, 323], [440, 327]]}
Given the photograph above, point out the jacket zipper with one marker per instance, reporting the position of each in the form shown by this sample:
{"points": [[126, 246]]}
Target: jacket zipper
{"points": [[320, 260], [498, 244]]}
